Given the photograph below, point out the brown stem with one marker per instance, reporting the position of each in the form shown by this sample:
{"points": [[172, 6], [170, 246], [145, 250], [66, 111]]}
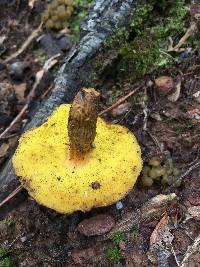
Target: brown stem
{"points": [[82, 122]]}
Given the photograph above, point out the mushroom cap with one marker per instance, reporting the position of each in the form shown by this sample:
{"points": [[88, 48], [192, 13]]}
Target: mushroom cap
{"points": [[106, 175]]}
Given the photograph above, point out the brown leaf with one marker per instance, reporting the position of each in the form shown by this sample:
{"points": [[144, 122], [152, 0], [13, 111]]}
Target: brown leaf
{"points": [[160, 227], [176, 94]]}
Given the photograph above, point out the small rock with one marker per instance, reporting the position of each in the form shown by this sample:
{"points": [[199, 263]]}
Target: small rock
{"points": [[197, 96], [49, 44], [64, 43], [156, 116], [17, 70], [121, 109], [23, 239], [83, 256], [97, 225], [119, 205], [164, 84]]}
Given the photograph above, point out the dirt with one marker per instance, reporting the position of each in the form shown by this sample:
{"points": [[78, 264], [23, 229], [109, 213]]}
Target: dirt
{"points": [[37, 236]]}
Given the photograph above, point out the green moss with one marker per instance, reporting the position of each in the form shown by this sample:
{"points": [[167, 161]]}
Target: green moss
{"points": [[117, 237], [140, 46], [8, 221], [5, 258], [144, 52], [113, 255], [81, 8]]}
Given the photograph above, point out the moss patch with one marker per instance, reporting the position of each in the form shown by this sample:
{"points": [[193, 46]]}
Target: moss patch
{"points": [[141, 47]]}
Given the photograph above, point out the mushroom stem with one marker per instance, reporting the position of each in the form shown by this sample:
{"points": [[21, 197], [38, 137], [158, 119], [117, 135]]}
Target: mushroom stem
{"points": [[82, 122]]}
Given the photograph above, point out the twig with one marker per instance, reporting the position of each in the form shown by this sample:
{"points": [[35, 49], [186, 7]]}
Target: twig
{"points": [[190, 31], [14, 193], [145, 110], [48, 64], [16, 119], [120, 101], [155, 141], [193, 167], [33, 35], [175, 257], [191, 249]]}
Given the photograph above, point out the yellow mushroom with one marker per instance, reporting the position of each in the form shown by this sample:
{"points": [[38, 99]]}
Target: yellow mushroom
{"points": [[94, 165]]}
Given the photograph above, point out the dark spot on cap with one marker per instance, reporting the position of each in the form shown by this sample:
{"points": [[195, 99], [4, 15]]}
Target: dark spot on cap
{"points": [[95, 185], [58, 178]]}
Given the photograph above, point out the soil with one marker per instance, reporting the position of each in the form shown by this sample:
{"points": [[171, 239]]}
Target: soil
{"points": [[37, 236]]}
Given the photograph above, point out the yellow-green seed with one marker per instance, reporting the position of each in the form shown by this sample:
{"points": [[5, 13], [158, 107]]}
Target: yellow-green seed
{"points": [[154, 161], [159, 171], [145, 169], [146, 181], [49, 24], [165, 179]]}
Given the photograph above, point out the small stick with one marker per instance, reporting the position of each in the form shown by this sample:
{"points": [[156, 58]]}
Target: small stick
{"points": [[16, 119], [33, 35], [195, 166], [191, 249], [14, 193], [120, 101], [39, 75]]}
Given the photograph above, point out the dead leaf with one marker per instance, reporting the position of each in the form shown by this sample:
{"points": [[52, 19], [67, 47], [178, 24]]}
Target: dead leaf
{"points": [[3, 149], [160, 227], [175, 96]]}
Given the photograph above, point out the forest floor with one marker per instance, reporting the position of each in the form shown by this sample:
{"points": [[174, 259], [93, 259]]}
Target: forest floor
{"points": [[166, 121]]}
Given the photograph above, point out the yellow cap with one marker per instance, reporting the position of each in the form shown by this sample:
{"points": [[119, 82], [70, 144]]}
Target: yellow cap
{"points": [[106, 175]]}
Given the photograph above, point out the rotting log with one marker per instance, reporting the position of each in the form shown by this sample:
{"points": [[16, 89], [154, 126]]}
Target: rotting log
{"points": [[76, 72]]}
